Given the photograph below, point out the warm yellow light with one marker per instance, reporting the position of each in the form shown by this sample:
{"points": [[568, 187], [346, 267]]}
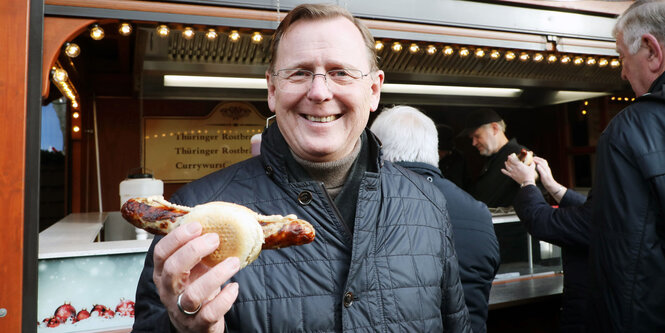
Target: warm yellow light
{"points": [[510, 56], [538, 57], [212, 34], [75, 104], [76, 129], [397, 46], [602, 62], [495, 54], [75, 115], [590, 61], [625, 99], [96, 32], [378, 45], [431, 49], [257, 37], [615, 63], [188, 33], [448, 50], [59, 75], [163, 31], [414, 48], [632, 99], [125, 29], [613, 98], [72, 50], [234, 36], [578, 61], [479, 53], [584, 112], [524, 56], [463, 52], [565, 59], [551, 58], [586, 102]]}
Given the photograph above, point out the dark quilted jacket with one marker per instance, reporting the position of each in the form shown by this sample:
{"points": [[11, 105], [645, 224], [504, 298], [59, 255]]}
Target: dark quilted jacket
{"points": [[398, 267]]}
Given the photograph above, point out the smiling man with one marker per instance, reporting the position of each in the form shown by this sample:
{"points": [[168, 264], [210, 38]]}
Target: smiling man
{"points": [[383, 257]]}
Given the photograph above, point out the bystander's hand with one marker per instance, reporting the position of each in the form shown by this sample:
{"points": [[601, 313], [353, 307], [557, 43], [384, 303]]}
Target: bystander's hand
{"points": [[555, 189], [189, 289], [519, 172]]}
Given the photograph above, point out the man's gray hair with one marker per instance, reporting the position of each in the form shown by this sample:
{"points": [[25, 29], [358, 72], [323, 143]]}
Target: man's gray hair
{"points": [[642, 17], [407, 135]]}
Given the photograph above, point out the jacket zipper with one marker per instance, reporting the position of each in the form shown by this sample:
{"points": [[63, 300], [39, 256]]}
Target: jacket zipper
{"points": [[338, 215]]}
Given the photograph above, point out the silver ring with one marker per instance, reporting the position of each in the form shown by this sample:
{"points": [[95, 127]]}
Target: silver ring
{"points": [[189, 313]]}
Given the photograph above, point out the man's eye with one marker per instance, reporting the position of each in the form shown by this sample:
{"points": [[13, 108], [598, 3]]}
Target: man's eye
{"points": [[300, 74], [338, 73]]}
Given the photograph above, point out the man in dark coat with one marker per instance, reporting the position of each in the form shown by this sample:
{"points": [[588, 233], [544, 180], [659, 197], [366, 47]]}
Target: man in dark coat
{"points": [[487, 132], [383, 258], [409, 139], [566, 227], [627, 244]]}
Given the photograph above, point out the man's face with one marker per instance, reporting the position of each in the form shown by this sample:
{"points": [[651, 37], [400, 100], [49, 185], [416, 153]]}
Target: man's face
{"points": [[319, 123], [484, 140], [633, 67]]}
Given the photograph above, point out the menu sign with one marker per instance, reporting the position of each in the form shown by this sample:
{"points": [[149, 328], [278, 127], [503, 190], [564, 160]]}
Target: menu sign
{"points": [[181, 149]]}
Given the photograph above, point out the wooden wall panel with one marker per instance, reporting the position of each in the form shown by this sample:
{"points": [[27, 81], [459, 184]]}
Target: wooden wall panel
{"points": [[13, 94]]}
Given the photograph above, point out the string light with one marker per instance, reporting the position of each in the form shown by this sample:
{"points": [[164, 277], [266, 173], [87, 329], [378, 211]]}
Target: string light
{"points": [[188, 33], [76, 129], [463, 52], [125, 29], [495, 54], [397, 47], [414, 48], [378, 45], [510, 56], [578, 61], [257, 38], [479, 53], [431, 49], [602, 62], [524, 56], [75, 115], [72, 50], [234, 36], [591, 61], [163, 31], [565, 59], [59, 75], [75, 105], [212, 34], [96, 32], [448, 50], [584, 112], [551, 58], [615, 63], [586, 103]]}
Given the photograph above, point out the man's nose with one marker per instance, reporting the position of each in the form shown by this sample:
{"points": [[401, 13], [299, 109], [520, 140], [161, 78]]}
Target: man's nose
{"points": [[319, 88]]}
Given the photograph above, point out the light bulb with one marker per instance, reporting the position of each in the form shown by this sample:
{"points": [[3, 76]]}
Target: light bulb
{"points": [[448, 50], [76, 129], [565, 59], [463, 52], [551, 58], [397, 47], [163, 31], [75, 115], [510, 56], [212, 34], [59, 75], [602, 62], [414, 48], [72, 50], [378, 45], [495, 54], [524, 56], [480, 53], [234, 36], [125, 29], [615, 63], [538, 57], [591, 61], [578, 61], [257, 38], [431, 49], [96, 32], [188, 33]]}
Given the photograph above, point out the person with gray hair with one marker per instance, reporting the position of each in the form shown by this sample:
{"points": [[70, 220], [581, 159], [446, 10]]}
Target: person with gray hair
{"points": [[409, 139], [627, 241]]}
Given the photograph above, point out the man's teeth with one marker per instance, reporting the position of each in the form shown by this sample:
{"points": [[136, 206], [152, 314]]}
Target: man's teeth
{"points": [[321, 119]]}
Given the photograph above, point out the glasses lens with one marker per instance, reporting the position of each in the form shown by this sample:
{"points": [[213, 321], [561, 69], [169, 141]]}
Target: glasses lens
{"points": [[297, 80], [344, 76]]}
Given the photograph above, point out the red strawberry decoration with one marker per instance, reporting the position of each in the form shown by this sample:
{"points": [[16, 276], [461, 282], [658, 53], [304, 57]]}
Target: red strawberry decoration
{"points": [[65, 312], [83, 314], [125, 308]]}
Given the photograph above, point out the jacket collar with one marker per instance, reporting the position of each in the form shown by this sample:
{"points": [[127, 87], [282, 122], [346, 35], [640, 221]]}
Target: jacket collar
{"points": [[421, 168], [277, 157], [657, 88]]}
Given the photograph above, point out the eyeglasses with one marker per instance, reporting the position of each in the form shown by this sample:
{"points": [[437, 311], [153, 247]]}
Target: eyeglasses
{"points": [[301, 79]]}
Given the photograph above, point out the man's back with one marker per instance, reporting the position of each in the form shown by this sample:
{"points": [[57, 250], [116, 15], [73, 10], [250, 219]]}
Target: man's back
{"points": [[475, 242]]}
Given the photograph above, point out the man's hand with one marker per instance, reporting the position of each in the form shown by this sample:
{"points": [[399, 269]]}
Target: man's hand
{"points": [[181, 277], [518, 171]]}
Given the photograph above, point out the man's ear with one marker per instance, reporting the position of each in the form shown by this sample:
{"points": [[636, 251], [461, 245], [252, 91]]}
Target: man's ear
{"points": [[375, 89], [271, 92], [655, 58], [495, 128]]}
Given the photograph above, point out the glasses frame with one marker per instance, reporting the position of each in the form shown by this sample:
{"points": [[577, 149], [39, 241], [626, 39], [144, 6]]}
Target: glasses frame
{"points": [[307, 85]]}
